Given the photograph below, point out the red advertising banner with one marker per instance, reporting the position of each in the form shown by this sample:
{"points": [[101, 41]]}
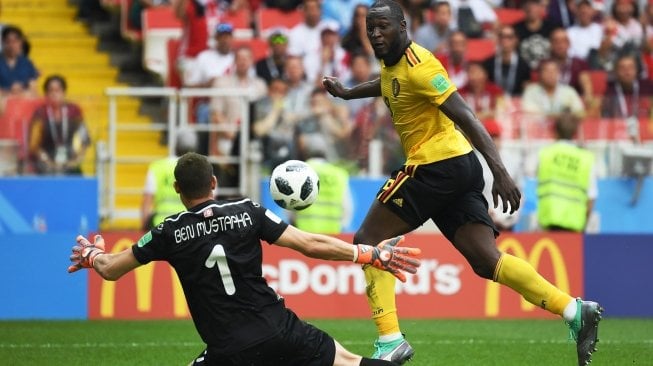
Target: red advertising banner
{"points": [[444, 287]]}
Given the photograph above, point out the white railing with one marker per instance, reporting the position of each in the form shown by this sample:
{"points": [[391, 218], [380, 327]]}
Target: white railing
{"points": [[107, 157]]}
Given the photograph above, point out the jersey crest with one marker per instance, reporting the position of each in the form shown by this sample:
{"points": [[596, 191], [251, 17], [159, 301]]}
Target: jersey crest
{"points": [[395, 87]]}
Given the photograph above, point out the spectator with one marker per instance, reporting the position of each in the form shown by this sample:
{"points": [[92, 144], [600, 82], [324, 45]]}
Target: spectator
{"points": [[504, 221], [433, 35], [469, 16], [331, 58], [623, 34], [627, 96], [534, 32], [482, 95], [454, 58], [160, 199], [507, 68], [273, 65], [272, 126], [284, 5], [58, 137], [573, 70], [18, 76], [299, 90], [341, 11], [566, 188], [332, 211], [355, 40], [559, 13], [361, 71], [213, 63], [586, 34], [304, 38], [226, 112], [550, 98], [374, 123], [326, 121], [194, 16]]}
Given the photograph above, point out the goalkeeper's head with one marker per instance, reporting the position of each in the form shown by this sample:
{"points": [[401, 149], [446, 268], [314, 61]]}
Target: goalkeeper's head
{"points": [[194, 178]]}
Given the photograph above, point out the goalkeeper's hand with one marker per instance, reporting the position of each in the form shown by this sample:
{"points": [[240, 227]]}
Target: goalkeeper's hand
{"points": [[388, 257], [84, 253]]}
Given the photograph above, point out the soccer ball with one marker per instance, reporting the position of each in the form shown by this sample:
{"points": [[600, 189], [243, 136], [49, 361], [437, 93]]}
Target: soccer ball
{"points": [[294, 185]]}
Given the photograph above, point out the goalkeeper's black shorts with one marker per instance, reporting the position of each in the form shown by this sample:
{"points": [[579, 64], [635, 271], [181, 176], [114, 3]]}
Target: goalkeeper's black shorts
{"points": [[450, 192], [298, 343]]}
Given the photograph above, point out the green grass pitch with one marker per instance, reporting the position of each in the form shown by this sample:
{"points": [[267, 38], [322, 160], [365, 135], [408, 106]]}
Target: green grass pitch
{"points": [[436, 342]]}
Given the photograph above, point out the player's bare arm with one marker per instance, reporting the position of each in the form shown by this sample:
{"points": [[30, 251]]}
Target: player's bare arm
{"points": [[111, 266], [386, 256], [367, 89], [458, 111]]}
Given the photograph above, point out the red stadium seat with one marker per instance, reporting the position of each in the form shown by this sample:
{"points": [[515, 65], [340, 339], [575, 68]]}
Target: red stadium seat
{"points": [[268, 19], [241, 21], [173, 79], [479, 49], [599, 80], [14, 122], [509, 16]]}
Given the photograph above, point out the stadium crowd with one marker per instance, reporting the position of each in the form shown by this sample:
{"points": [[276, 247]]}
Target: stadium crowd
{"points": [[520, 64]]}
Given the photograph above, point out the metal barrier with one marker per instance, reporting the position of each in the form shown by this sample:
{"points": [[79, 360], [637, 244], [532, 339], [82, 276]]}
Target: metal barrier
{"points": [[178, 116]]}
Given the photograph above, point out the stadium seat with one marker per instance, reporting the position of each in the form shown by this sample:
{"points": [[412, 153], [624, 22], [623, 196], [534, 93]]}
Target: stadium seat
{"points": [[268, 19], [159, 26], [173, 78], [599, 80], [14, 122], [479, 49], [509, 16], [241, 21]]}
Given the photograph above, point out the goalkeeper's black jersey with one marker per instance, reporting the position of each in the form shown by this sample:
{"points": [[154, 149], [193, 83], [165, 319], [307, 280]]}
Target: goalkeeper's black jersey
{"points": [[215, 248]]}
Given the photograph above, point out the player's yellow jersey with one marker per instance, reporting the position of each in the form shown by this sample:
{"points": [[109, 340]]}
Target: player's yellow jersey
{"points": [[413, 89]]}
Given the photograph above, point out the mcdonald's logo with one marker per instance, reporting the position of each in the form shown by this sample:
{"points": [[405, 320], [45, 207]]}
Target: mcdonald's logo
{"points": [[144, 289], [560, 275]]}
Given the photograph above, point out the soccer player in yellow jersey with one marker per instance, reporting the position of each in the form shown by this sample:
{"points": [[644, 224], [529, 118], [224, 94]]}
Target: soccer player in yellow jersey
{"points": [[442, 180]]}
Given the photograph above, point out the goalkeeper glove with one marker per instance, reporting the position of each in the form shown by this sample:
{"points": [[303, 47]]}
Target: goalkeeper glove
{"points": [[84, 253], [386, 256]]}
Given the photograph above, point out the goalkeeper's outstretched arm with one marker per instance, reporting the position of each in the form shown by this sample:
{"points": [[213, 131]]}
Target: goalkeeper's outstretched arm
{"points": [[111, 266], [387, 255]]}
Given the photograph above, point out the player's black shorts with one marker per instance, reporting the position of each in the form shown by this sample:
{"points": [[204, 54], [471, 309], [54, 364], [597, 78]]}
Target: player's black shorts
{"points": [[450, 192], [299, 343]]}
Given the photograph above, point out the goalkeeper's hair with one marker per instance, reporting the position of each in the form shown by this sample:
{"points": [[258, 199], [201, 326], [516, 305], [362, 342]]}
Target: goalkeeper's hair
{"points": [[395, 10], [193, 174]]}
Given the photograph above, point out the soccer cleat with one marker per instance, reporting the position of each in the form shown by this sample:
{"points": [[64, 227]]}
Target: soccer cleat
{"points": [[584, 329], [398, 351]]}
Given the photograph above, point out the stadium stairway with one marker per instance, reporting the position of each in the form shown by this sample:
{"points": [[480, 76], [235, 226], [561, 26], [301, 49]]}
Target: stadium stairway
{"points": [[62, 45]]}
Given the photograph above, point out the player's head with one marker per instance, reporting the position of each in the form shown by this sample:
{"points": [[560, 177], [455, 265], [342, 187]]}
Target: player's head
{"points": [[386, 30], [194, 177]]}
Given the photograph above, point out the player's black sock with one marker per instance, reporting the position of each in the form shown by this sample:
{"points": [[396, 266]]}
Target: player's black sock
{"points": [[371, 362]]}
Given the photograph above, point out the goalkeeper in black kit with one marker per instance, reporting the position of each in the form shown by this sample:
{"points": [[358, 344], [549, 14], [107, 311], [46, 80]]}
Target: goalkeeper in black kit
{"points": [[215, 248]]}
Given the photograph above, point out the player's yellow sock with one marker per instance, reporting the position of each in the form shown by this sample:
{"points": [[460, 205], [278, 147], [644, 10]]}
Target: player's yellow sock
{"points": [[381, 298], [520, 276]]}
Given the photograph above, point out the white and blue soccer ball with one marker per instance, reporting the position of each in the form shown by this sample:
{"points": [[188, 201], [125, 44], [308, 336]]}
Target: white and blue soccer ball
{"points": [[294, 185]]}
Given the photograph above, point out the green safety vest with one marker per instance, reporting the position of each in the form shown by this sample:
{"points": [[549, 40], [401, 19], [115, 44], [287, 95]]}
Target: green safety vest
{"points": [[564, 175], [166, 200], [325, 215]]}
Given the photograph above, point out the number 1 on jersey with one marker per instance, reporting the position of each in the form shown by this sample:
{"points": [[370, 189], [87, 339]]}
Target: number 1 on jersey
{"points": [[219, 257]]}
